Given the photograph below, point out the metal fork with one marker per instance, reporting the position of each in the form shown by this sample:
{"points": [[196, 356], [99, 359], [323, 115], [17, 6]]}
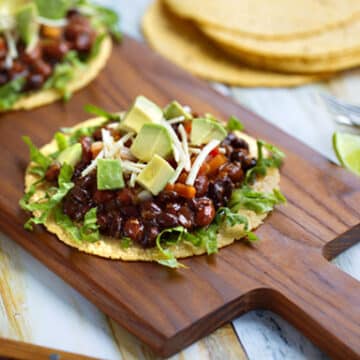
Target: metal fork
{"points": [[344, 113]]}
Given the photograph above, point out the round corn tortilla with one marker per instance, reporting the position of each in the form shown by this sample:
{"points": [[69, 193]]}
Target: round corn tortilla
{"points": [[82, 78], [180, 42], [108, 247], [264, 19], [336, 50]]}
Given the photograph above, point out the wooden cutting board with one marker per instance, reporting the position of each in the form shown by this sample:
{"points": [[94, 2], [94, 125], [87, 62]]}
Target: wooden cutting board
{"points": [[288, 272]]}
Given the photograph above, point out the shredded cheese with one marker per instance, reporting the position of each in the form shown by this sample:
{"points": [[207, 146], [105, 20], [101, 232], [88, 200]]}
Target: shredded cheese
{"points": [[199, 161], [179, 155], [93, 164], [176, 120], [185, 146], [52, 22], [177, 173], [132, 179], [108, 142], [194, 150], [12, 51]]}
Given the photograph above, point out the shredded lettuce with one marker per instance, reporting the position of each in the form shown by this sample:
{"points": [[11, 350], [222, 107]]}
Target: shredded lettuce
{"points": [[11, 92], [43, 207], [263, 163], [41, 161], [53, 9], [234, 124], [61, 141], [92, 109], [67, 224], [90, 229], [247, 198], [125, 242], [63, 73]]}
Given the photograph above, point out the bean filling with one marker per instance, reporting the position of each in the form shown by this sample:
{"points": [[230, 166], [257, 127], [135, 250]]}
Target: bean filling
{"points": [[126, 213], [54, 43]]}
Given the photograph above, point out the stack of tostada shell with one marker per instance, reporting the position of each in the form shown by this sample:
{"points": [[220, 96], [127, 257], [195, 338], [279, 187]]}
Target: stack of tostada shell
{"points": [[257, 42]]}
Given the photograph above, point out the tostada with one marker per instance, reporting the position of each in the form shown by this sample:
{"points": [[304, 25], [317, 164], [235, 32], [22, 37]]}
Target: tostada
{"points": [[152, 184], [49, 49]]}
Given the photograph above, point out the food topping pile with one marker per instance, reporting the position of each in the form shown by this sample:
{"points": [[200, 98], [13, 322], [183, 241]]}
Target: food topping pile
{"points": [[150, 173]]}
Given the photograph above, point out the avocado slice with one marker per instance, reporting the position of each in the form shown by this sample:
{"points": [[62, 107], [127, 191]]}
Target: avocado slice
{"points": [[142, 111], [155, 175], [26, 23], [109, 174], [70, 155], [204, 130], [174, 110], [152, 139]]}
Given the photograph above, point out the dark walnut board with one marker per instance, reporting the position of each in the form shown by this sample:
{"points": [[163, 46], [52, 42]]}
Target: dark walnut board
{"points": [[288, 272]]}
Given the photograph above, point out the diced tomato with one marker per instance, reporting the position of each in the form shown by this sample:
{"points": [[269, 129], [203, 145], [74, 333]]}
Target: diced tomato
{"points": [[169, 187], [214, 152]]}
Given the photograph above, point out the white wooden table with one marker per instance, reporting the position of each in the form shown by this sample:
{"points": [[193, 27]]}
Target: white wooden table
{"points": [[37, 306]]}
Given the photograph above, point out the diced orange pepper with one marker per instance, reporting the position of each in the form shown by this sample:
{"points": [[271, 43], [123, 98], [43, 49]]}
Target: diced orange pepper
{"points": [[185, 191], [51, 31], [215, 163], [182, 178], [204, 169], [169, 187]]}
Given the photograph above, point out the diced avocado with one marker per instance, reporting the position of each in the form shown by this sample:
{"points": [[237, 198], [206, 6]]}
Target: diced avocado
{"points": [[71, 155], [143, 111], [204, 130], [26, 22], [109, 174], [174, 110], [155, 175], [152, 139]]}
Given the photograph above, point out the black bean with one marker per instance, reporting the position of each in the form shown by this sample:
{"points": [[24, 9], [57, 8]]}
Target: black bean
{"points": [[166, 220], [201, 185], [149, 210], [134, 229], [149, 236], [53, 171]]}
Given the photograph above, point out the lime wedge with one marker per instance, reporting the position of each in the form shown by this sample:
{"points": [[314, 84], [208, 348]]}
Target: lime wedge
{"points": [[347, 149]]}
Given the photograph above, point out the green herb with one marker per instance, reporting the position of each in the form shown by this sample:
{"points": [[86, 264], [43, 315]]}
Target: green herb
{"points": [[52, 198], [61, 141], [125, 242], [234, 124], [90, 229], [41, 161], [63, 73], [75, 135], [11, 92], [92, 109], [247, 198], [263, 163], [251, 237]]}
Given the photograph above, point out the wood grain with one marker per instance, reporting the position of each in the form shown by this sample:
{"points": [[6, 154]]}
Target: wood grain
{"points": [[287, 272], [17, 350]]}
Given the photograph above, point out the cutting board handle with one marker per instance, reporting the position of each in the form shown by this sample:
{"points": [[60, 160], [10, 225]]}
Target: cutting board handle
{"points": [[324, 303]]}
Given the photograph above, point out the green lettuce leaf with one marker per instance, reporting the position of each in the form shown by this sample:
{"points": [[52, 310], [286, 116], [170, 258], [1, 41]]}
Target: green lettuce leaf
{"points": [[92, 109], [61, 141], [125, 242], [53, 9], [234, 124], [247, 198], [90, 229], [172, 235], [263, 163], [41, 161], [67, 224], [11, 92], [52, 198], [63, 73]]}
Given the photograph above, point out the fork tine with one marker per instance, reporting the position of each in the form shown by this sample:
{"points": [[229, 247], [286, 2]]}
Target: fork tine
{"points": [[341, 106]]}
